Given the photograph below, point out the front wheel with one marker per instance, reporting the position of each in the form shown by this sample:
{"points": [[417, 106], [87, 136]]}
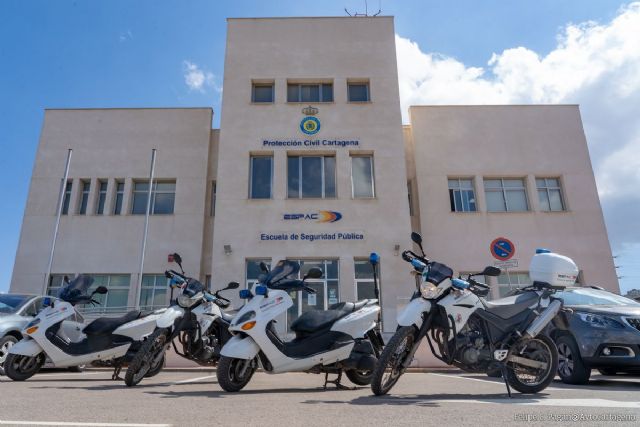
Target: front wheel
{"points": [[234, 374], [392, 360], [20, 368], [149, 360], [534, 364]]}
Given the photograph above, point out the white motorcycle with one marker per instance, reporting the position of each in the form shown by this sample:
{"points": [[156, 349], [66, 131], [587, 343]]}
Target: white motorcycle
{"points": [[57, 337], [342, 339], [195, 319], [464, 330]]}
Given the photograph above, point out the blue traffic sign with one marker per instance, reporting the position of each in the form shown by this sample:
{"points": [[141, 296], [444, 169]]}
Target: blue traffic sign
{"points": [[502, 249]]}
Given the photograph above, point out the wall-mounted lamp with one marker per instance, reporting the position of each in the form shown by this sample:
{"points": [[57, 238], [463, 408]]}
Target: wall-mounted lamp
{"points": [[227, 250], [396, 249]]}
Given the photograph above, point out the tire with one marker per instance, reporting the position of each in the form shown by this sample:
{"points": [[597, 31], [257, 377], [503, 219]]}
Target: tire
{"points": [[359, 377], [77, 369], [540, 347], [153, 348], [608, 371], [20, 368], [157, 368], [571, 368], [230, 373], [392, 357], [5, 344]]}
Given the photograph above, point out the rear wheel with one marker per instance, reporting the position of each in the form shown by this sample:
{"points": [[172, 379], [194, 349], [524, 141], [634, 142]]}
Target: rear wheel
{"points": [[359, 377], [234, 374], [571, 367], [19, 367], [530, 379], [391, 362], [149, 360]]}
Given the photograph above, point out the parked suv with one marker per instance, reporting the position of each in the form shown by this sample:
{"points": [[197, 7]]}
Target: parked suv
{"points": [[602, 332]]}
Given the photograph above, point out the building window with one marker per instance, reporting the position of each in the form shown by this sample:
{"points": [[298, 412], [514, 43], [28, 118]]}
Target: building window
{"points": [[358, 92], [163, 196], [154, 291], [317, 92], [56, 281], [508, 281], [212, 208], [102, 197], [506, 195], [67, 198], [312, 177], [117, 206], [461, 195], [261, 177], [550, 194], [253, 271], [327, 289], [362, 182], [262, 93], [365, 287], [84, 197]]}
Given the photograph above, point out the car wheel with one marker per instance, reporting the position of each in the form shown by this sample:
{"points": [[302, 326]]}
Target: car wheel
{"points": [[608, 371], [571, 367], [5, 345]]}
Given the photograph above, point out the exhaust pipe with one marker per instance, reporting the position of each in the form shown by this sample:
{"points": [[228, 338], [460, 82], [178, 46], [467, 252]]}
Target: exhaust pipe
{"points": [[543, 319]]}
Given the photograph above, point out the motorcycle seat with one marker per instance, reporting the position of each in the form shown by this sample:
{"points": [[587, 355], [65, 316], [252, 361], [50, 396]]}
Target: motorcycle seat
{"points": [[314, 320], [106, 325], [508, 307]]}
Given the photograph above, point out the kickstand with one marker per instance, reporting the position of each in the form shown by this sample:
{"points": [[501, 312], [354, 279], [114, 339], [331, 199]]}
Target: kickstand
{"points": [[116, 372], [336, 382], [503, 368]]}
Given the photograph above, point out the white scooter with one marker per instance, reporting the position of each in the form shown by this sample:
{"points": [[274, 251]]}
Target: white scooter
{"points": [[57, 337], [343, 338]]}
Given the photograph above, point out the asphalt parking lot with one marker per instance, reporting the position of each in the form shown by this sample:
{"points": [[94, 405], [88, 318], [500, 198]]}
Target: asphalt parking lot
{"points": [[193, 398]]}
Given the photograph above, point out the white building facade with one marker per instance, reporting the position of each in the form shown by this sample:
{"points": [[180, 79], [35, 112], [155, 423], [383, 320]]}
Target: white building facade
{"points": [[311, 163]]}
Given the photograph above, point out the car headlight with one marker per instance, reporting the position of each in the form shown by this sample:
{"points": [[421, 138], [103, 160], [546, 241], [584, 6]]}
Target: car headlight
{"points": [[600, 321], [186, 301], [429, 290], [247, 316]]}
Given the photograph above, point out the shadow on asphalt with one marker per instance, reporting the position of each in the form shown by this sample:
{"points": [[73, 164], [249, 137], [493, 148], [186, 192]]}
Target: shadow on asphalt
{"points": [[430, 400]]}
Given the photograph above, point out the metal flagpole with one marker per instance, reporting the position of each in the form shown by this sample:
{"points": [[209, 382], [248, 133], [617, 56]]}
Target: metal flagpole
{"points": [[146, 227], [63, 189]]}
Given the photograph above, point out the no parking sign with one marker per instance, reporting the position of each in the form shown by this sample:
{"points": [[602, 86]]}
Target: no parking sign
{"points": [[502, 249]]}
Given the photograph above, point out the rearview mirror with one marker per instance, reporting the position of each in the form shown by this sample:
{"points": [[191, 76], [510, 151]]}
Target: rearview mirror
{"points": [[177, 258], [313, 273], [417, 238], [263, 267], [101, 290], [491, 271], [233, 285]]}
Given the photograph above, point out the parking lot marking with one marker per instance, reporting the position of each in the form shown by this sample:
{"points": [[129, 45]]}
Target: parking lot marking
{"points": [[193, 380], [64, 423], [588, 403]]}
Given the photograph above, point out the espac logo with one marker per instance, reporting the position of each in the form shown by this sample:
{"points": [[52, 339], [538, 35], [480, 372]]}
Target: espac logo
{"points": [[320, 216], [310, 125]]}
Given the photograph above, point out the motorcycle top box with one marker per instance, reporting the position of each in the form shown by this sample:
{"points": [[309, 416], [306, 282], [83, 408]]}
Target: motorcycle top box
{"points": [[552, 268]]}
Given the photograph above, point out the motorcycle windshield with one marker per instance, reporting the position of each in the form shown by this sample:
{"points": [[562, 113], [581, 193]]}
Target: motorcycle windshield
{"points": [[438, 272], [77, 287], [284, 268]]}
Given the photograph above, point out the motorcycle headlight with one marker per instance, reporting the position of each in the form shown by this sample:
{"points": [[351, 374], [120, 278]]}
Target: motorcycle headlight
{"points": [[247, 316], [429, 290], [186, 301], [600, 321]]}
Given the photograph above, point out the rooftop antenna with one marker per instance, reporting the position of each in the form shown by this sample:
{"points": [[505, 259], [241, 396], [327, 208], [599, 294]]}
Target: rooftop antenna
{"points": [[366, 10]]}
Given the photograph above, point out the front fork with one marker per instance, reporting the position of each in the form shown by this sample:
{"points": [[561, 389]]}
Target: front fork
{"points": [[421, 333]]}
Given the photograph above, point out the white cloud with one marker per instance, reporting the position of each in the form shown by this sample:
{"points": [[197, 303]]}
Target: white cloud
{"points": [[198, 79], [593, 64]]}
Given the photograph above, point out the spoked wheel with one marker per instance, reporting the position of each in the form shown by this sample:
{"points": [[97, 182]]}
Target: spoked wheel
{"points": [[5, 345], [359, 377], [149, 360], [234, 374], [535, 364], [19, 367], [391, 363]]}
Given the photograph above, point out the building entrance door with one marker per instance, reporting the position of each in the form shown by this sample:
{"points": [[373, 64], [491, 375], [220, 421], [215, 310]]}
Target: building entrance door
{"points": [[327, 289]]}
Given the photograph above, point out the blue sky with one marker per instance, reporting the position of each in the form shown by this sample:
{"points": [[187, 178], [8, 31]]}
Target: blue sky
{"points": [[123, 53]]}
